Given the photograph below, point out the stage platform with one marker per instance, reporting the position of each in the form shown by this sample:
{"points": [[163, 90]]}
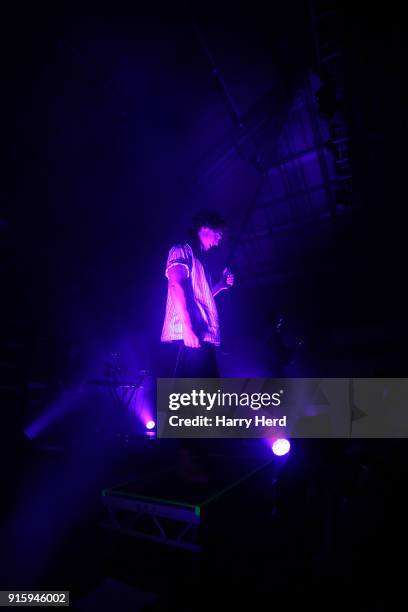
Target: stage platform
{"points": [[160, 507]]}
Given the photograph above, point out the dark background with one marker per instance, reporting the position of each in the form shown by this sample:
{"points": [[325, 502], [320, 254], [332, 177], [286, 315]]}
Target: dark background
{"points": [[113, 130], [117, 124]]}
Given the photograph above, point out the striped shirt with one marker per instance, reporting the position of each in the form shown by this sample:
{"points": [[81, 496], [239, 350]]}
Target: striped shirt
{"points": [[199, 298]]}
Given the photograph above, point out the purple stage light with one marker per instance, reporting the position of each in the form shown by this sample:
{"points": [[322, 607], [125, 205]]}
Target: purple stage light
{"points": [[150, 424], [280, 447], [53, 413]]}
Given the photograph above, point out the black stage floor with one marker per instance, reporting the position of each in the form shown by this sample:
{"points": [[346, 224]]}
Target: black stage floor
{"points": [[165, 486]]}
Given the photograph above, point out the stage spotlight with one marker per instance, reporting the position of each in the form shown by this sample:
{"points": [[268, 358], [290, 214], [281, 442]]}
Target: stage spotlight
{"points": [[280, 447], [150, 424]]}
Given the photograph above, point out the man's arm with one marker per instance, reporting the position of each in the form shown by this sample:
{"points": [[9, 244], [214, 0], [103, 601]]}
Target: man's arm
{"points": [[177, 275], [227, 280], [218, 287]]}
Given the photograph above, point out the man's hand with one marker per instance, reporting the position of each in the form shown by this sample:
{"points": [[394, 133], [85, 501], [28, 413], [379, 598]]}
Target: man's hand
{"points": [[189, 337], [228, 278]]}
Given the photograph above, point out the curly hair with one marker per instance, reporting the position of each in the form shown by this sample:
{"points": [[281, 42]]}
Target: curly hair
{"points": [[209, 219]]}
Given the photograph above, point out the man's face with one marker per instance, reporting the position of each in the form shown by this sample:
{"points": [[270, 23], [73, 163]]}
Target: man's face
{"points": [[209, 237]]}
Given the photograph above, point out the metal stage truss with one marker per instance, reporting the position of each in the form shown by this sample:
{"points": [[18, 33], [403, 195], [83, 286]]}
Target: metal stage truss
{"points": [[162, 508]]}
